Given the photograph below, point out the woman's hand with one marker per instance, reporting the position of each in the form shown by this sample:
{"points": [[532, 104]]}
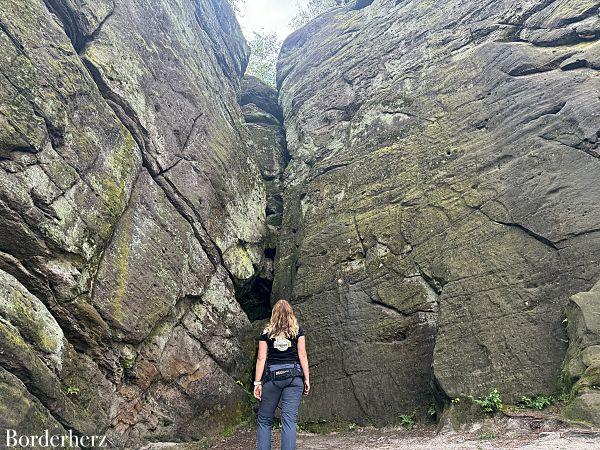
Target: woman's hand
{"points": [[258, 392], [306, 387]]}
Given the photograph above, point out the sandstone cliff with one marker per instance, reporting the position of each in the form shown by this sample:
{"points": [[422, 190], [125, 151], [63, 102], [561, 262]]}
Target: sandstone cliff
{"points": [[440, 205], [435, 213], [130, 210]]}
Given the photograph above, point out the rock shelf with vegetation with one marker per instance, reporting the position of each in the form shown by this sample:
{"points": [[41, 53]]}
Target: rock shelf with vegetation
{"points": [[422, 185]]}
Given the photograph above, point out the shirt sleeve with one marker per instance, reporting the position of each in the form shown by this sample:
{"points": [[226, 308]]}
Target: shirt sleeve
{"points": [[263, 337], [300, 332]]}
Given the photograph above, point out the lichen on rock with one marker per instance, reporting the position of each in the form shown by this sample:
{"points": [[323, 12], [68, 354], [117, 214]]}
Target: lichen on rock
{"points": [[581, 369], [126, 179], [439, 205], [266, 140], [422, 187]]}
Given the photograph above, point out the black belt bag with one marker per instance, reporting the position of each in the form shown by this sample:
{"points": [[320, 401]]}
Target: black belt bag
{"points": [[283, 374]]}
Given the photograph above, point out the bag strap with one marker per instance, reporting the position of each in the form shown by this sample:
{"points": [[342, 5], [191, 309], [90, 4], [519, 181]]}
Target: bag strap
{"points": [[297, 372]]}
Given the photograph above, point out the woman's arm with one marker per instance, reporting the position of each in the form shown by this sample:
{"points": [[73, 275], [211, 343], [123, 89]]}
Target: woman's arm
{"points": [[304, 363], [261, 358]]}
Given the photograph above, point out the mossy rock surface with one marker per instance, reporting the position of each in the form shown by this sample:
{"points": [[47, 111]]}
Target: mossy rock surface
{"points": [[438, 208], [23, 412], [126, 174], [581, 369]]}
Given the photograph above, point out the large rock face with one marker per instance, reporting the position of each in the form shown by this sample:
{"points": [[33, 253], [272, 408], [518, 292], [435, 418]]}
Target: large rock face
{"points": [[441, 203], [130, 208]]}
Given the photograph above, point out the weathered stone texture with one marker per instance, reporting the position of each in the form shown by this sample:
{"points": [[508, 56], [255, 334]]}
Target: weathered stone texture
{"points": [[266, 139], [440, 205], [130, 209], [439, 208], [581, 370]]}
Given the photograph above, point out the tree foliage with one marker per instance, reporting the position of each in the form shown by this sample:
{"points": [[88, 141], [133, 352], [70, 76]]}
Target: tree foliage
{"points": [[235, 4], [312, 9], [264, 46], [264, 49]]}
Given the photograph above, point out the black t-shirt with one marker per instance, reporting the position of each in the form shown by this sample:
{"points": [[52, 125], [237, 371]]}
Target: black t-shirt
{"points": [[282, 350]]}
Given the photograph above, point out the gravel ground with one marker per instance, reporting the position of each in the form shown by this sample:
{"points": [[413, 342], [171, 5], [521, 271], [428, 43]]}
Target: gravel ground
{"points": [[517, 432], [400, 439], [529, 431]]}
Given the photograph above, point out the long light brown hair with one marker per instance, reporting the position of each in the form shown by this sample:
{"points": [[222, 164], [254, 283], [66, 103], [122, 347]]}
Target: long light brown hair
{"points": [[283, 321]]}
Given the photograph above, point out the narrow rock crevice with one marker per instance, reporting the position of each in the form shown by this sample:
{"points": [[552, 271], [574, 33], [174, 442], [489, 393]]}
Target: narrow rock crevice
{"points": [[264, 121], [255, 297], [538, 237], [390, 309], [13, 39], [585, 145], [64, 16], [434, 283], [82, 43], [74, 26]]}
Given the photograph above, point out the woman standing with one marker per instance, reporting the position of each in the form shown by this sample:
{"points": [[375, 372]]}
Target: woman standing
{"points": [[282, 346]]}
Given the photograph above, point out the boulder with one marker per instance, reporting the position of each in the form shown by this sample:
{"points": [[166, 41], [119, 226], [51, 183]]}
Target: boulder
{"points": [[581, 370], [259, 93]]}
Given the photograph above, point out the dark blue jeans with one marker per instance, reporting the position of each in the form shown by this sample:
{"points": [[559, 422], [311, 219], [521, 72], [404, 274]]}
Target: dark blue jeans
{"points": [[290, 393]]}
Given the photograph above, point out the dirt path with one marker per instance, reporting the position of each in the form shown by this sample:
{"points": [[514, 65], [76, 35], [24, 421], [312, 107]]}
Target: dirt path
{"points": [[512, 430], [400, 439], [508, 433]]}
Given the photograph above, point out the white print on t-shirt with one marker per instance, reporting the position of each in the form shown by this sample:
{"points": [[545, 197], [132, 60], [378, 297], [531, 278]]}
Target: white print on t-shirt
{"points": [[282, 344]]}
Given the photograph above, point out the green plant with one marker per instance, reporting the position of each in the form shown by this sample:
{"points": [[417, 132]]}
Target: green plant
{"points": [[490, 403], [324, 426], [228, 431], [249, 394], [407, 421], [127, 364], [455, 400], [72, 390], [432, 410], [538, 402], [486, 435], [351, 426]]}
